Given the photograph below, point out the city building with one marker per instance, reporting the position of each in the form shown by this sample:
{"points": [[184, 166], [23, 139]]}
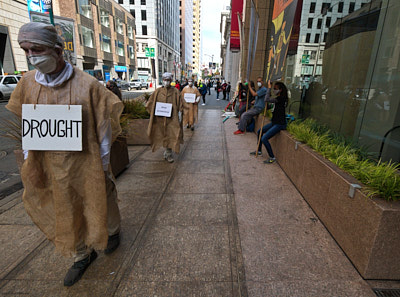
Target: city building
{"points": [[157, 36], [186, 30], [13, 14], [99, 36], [196, 35], [317, 17]]}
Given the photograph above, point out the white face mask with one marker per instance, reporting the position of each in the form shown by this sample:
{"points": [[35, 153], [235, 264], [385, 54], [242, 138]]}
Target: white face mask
{"points": [[166, 83], [259, 84], [276, 92], [43, 63], [190, 84]]}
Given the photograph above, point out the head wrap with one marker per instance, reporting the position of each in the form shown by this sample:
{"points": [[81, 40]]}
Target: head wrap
{"points": [[167, 75], [190, 80], [40, 33]]}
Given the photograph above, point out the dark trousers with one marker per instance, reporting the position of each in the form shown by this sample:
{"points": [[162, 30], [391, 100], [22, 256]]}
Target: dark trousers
{"points": [[224, 92], [204, 98], [268, 131]]}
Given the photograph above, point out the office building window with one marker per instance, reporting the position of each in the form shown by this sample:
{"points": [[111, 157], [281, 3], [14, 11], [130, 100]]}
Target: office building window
{"points": [[120, 1], [340, 7], [106, 44], [133, 13], [316, 39], [351, 7], [120, 28], [120, 49], [308, 37], [85, 8], [328, 22], [144, 30], [310, 21], [132, 2], [312, 7], [130, 32], [87, 37], [319, 24], [104, 19], [325, 7], [144, 17], [142, 2], [131, 52], [325, 35]]}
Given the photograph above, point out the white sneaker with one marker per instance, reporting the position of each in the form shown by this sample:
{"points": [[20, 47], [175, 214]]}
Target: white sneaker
{"points": [[203, 104]]}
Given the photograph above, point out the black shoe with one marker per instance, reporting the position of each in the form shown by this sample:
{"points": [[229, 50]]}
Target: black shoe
{"points": [[192, 128], [112, 244], [78, 269]]}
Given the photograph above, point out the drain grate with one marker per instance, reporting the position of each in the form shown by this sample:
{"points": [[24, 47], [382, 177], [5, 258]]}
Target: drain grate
{"points": [[2, 154], [387, 292]]}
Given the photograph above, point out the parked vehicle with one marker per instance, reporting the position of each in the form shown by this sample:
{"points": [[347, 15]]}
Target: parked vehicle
{"points": [[136, 84], [145, 84], [123, 85], [7, 85]]}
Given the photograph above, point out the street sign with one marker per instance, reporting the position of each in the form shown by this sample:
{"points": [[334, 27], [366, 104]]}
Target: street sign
{"points": [[305, 59], [150, 52]]}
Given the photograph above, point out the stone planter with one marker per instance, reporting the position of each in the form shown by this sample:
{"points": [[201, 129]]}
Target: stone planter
{"points": [[119, 157], [136, 132], [366, 229]]}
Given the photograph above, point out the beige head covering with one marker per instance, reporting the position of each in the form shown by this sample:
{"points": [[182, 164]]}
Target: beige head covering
{"points": [[40, 33], [167, 75]]}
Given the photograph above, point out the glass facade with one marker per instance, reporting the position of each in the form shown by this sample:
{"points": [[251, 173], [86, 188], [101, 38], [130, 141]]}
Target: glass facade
{"points": [[104, 19], [356, 90], [106, 43], [87, 37]]}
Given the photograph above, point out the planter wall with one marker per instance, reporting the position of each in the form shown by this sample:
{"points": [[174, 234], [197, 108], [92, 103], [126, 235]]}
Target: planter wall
{"points": [[137, 132], [366, 229]]}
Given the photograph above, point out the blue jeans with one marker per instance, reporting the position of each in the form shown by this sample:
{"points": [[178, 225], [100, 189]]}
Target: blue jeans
{"points": [[217, 94], [268, 131]]}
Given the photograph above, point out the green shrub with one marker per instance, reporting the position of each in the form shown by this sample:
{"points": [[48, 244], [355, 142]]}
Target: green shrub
{"points": [[380, 178], [135, 109]]}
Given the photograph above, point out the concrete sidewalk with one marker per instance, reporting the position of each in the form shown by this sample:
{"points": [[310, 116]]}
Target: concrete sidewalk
{"points": [[217, 222]]}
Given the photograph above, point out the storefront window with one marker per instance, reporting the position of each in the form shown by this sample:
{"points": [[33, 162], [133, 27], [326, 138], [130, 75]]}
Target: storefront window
{"points": [[104, 17], [106, 44], [87, 37], [120, 49], [120, 28], [85, 8]]}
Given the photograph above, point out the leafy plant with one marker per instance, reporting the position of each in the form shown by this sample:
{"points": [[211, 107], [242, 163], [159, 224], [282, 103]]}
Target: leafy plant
{"points": [[380, 178], [135, 109]]}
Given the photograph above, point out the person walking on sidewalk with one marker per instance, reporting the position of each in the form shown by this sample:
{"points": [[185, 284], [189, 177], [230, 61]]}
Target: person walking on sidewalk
{"points": [[190, 109], [209, 85], [228, 91], [69, 195], [203, 91], [278, 122], [223, 87], [218, 89], [256, 110], [165, 127]]}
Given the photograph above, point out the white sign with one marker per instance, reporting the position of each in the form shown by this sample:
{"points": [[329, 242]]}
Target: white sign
{"points": [[189, 98], [51, 127], [163, 109]]}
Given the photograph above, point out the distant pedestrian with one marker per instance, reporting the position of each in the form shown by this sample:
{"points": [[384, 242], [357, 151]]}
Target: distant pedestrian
{"points": [[112, 86], [223, 87], [165, 130], [209, 86], [203, 91], [218, 89], [190, 109], [177, 85], [228, 90]]}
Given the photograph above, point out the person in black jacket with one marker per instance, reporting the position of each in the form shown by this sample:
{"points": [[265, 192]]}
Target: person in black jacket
{"points": [[279, 97]]}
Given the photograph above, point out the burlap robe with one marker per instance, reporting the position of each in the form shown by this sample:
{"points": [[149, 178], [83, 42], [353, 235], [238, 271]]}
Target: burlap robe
{"points": [[190, 110], [65, 192], [163, 131]]}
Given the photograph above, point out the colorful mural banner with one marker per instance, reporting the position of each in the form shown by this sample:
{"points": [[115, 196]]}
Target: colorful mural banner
{"points": [[237, 8], [65, 28], [282, 23]]}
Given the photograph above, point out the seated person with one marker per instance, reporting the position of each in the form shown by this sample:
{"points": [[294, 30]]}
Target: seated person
{"points": [[257, 108], [246, 102], [279, 97]]}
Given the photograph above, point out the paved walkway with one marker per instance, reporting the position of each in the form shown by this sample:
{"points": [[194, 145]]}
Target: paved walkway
{"points": [[214, 223]]}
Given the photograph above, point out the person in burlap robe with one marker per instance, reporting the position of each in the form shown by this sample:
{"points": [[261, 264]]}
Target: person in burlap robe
{"points": [[190, 110], [70, 195], [166, 131]]}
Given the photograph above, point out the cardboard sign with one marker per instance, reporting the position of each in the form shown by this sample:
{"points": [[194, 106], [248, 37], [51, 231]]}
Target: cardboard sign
{"points": [[51, 127], [189, 98], [163, 109]]}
